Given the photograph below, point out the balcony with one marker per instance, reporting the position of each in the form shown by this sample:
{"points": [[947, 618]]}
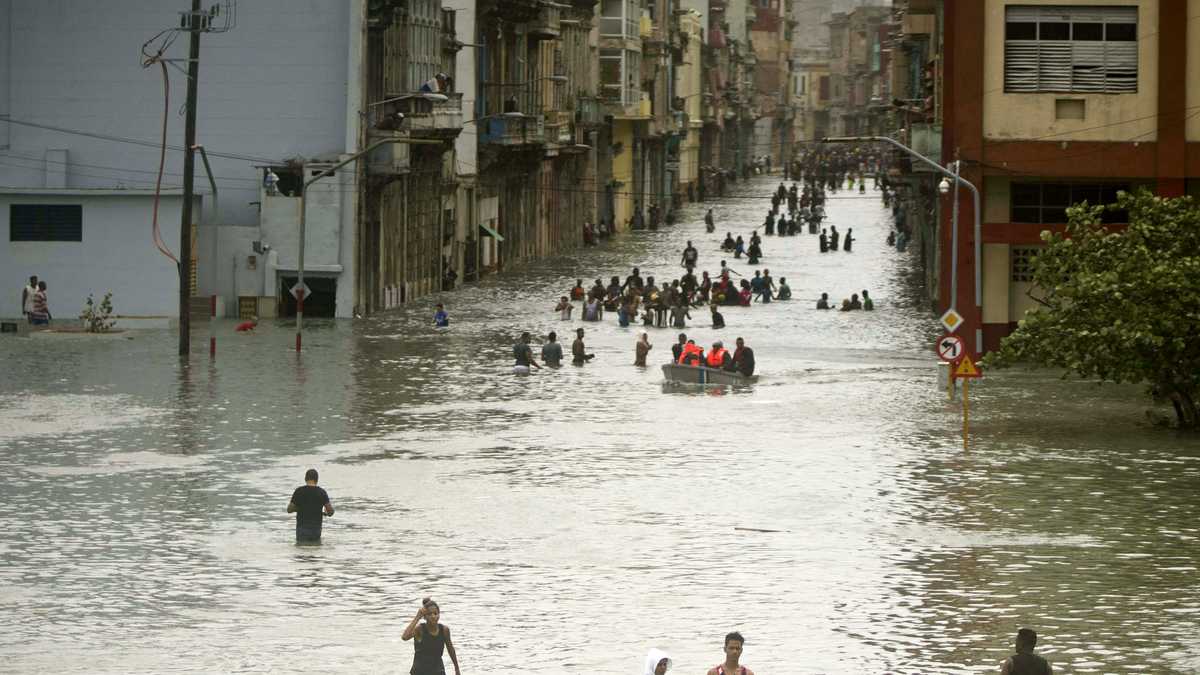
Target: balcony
{"points": [[558, 127], [513, 130], [424, 115], [926, 139], [588, 113], [547, 25]]}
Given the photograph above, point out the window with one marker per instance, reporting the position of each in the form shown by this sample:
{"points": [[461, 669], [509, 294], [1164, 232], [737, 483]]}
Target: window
{"points": [[45, 222], [1022, 263], [1048, 202], [1070, 49]]}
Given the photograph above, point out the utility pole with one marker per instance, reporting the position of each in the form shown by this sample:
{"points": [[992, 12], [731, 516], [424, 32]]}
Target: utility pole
{"points": [[194, 25]]}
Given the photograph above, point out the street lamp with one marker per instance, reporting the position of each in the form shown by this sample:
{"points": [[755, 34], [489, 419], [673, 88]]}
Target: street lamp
{"points": [[951, 178], [303, 213]]}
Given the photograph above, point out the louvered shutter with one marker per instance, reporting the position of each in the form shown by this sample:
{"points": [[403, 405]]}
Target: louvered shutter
{"points": [[1079, 65]]}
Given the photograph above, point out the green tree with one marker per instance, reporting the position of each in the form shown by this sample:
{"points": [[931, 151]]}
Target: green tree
{"points": [[1119, 305]]}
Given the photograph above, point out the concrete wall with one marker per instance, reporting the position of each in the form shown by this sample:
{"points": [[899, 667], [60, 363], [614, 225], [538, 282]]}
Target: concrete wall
{"points": [[1193, 71], [117, 254], [274, 87], [1017, 116], [232, 275]]}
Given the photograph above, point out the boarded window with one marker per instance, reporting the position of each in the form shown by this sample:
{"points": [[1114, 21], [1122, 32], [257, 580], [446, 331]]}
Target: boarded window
{"points": [[45, 222], [1070, 49], [1048, 202]]}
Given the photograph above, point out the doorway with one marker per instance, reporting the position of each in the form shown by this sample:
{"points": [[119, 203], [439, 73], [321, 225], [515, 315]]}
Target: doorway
{"points": [[321, 304]]}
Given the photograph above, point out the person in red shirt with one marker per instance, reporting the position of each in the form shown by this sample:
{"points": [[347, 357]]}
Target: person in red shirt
{"points": [[247, 326]]}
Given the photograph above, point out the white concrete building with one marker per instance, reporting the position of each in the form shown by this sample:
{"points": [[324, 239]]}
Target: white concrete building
{"points": [[84, 121]]}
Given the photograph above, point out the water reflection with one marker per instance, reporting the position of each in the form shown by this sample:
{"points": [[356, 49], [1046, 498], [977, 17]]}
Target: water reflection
{"points": [[827, 511]]}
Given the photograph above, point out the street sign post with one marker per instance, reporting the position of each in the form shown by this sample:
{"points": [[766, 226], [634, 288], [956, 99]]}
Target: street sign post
{"points": [[950, 348], [300, 286], [951, 320], [966, 370]]}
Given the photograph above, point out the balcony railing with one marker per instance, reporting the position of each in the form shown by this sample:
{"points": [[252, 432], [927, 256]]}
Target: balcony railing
{"points": [[424, 114], [513, 129], [588, 112]]}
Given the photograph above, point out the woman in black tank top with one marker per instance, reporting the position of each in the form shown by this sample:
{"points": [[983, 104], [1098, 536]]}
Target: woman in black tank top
{"points": [[431, 639]]}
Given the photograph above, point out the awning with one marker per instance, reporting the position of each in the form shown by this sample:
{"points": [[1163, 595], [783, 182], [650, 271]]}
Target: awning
{"points": [[492, 233]]}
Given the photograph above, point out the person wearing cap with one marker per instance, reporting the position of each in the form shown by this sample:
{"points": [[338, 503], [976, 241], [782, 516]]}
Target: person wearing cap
{"points": [[310, 503], [579, 355]]}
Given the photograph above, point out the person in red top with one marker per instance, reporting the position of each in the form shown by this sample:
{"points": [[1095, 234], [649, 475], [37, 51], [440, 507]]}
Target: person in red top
{"points": [[733, 654], [247, 326]]}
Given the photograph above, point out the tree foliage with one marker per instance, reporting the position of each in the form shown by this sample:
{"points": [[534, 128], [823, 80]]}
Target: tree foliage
{"points": [[1119, 305]]}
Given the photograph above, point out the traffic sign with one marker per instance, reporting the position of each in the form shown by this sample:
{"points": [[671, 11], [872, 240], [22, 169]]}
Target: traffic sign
{"points": [[297, 288], [950, 348], [951, 320], [966, 368]]}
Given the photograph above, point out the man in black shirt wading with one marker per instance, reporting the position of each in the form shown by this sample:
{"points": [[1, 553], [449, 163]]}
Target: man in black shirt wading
{"points": [[308, 502]]}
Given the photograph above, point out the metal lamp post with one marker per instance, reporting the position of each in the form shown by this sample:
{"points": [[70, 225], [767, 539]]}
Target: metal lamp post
{"points": [[958, 180], [303, 212]]}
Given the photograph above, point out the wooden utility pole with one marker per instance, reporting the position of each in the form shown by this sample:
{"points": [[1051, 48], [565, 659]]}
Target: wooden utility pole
{"points": [[194, 25]]}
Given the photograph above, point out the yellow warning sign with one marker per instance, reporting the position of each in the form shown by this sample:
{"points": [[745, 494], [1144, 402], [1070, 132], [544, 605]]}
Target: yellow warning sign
{"points": [[966, 368]]}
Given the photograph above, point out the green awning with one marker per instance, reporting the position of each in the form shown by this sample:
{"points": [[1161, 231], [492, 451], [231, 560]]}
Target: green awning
{"points": [[492, 233]]}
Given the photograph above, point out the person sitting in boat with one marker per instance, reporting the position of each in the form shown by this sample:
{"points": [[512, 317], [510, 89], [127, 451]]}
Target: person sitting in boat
{"points": [[691, 354], [592, 311], [823, 303], [564, 308], [577, 293], [718, 356], [729, 243], [743, 359], [717, 319], [785, 291], [677, 348]]}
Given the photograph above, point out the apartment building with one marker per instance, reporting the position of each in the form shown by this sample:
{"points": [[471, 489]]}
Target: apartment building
{"points": [[1058, 103]]}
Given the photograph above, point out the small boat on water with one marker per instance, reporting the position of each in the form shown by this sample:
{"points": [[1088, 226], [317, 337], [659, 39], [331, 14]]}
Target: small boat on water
{"points": [[675, 372]]}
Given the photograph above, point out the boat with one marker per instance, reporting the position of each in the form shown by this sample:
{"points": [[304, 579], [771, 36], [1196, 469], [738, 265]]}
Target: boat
{"points": [[682, 374]]}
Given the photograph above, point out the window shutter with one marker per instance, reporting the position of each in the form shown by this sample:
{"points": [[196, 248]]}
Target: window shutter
{"points": [[1021, 66]]}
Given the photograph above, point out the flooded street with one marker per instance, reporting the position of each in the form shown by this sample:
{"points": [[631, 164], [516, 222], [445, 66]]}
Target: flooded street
{"points": [[570, 520]]}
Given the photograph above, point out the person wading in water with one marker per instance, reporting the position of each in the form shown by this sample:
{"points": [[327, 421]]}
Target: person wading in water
{"points": [[430, 640], [733, 655]]}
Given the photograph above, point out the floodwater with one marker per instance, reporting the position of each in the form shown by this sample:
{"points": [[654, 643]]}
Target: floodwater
{"points": [[570, 520]]}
